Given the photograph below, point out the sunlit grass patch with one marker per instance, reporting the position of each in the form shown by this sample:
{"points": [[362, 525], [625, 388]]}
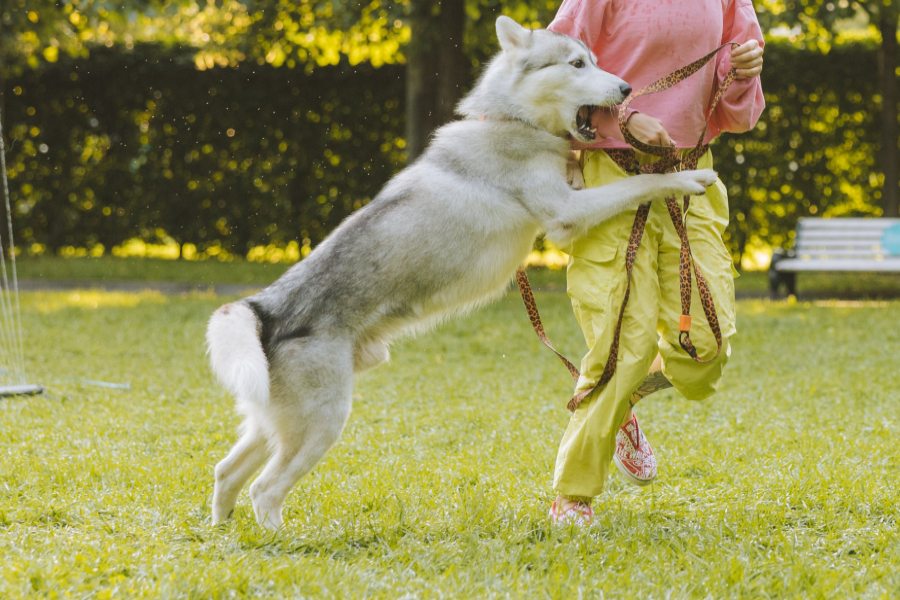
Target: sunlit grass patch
{"points": [[783, 485], [112, 269], [91, 299]]}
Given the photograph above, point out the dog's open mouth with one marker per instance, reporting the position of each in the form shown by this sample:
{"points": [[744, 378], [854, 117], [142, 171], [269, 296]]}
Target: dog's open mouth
{"points": [[583, 122]]}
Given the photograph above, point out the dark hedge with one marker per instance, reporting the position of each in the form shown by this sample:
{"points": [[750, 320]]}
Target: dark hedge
{"points": [[134, 144]]}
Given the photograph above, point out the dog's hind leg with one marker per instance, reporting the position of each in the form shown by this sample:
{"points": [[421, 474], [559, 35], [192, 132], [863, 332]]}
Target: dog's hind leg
{"points": [[296, 453], [245, 457], [312, 393]]}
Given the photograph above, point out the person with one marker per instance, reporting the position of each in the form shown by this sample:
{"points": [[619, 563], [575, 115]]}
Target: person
{"points": [[641, 41]]}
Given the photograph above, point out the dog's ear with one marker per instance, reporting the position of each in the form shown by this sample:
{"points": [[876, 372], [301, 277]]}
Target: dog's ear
{"points": [[510, 34]]}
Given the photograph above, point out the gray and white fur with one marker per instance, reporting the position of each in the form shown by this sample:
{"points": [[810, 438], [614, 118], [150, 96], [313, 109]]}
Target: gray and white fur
{"points": [[444, 235]]}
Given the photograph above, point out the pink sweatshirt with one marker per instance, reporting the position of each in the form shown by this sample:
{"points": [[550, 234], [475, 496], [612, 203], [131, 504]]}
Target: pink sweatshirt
{"points": [[643, 40]]}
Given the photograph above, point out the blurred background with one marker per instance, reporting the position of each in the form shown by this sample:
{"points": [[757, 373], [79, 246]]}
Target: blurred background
{"points": [[250, 129]]}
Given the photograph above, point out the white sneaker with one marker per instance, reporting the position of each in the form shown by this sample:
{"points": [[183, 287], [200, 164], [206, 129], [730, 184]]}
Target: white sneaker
{"points": [[634, 456]]}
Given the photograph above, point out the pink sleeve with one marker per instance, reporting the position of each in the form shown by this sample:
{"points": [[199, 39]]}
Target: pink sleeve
{"points": [[743, 103], [582, 20]]}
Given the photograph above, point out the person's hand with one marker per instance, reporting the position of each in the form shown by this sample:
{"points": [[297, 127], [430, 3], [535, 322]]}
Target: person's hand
{"points": [[747, 60], [649, 130]]}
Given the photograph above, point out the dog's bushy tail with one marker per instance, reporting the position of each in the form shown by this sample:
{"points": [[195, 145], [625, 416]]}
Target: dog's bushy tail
{"points": [[236, 353]]}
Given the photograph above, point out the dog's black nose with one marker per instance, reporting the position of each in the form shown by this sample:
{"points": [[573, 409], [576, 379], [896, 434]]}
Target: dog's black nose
{"points": [[625, 89]]}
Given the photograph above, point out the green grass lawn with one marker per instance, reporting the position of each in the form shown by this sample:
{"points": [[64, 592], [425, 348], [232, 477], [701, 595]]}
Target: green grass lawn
{"points": [[209, 273], [782, 485], [203, 273]]}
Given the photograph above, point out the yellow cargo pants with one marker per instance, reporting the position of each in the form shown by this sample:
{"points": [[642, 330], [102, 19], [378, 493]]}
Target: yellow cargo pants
{"points": [[596, 284]]}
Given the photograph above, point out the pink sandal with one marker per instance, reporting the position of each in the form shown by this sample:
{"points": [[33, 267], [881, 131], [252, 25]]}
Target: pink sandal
{"points": [[577, 513]]}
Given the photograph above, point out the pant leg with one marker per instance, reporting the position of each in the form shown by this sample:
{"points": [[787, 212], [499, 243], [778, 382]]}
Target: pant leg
{"points": [[706, 221], [596, 285]]}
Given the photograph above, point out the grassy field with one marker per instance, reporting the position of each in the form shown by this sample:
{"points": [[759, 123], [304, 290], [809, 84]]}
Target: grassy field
{"points": [[783, 485], [202, 275]]}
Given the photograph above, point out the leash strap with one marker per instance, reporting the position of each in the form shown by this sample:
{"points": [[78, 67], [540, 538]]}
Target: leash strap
{"points": [[670, 159], [532, 310]]}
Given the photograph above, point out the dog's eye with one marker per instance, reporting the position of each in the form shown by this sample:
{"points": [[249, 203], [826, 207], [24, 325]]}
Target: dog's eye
{"points": [[577, 63]]}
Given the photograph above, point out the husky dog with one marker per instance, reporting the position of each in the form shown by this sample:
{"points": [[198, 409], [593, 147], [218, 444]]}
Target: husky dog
{"points": [[444, 236]]}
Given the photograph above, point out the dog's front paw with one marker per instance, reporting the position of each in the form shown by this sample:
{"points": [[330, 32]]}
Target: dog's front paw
{"points": [[696, 182]]}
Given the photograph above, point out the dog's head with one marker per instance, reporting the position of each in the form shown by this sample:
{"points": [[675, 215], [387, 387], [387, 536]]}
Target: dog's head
{"points": [[547, 79]]}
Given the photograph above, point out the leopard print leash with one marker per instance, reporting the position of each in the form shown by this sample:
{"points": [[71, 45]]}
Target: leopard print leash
{"points": [[670, 159]]}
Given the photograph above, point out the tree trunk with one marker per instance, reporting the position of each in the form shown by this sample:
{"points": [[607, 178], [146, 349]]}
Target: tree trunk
{"points": [[888, 84], [452, 60], [741, 248], [421, 62]]}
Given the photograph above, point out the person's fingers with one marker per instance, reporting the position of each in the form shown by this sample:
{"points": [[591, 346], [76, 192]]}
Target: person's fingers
{"points": [[747, 62], [749, 69], [648, 136], [750, 64], [747, 73], [748, 58], [747, 46], [649, 130], [659, 137], [663, 139]]}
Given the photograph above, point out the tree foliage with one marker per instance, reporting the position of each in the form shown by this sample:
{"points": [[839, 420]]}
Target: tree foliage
{"points": [[819, 24], [234, 124], [813, 151], [255, 154], [224, 156]]}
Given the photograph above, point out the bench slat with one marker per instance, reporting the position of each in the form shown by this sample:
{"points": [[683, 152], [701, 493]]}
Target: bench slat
{"points": [[799, 264], [875, 236], [863, 255], [869, 228], [838, 245], [842, 223]]}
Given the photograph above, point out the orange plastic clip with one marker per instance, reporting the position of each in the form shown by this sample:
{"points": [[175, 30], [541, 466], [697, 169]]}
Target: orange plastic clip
{"points": [[684, 323]]}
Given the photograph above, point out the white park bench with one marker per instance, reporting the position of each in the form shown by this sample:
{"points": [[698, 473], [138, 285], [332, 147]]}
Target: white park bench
{"points": [[839, 245]]}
